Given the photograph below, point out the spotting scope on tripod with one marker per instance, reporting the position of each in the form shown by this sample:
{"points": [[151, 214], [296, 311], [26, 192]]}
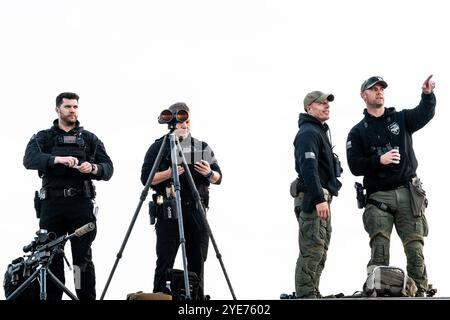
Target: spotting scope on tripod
{"points": [[172, 118], [19, 282]]}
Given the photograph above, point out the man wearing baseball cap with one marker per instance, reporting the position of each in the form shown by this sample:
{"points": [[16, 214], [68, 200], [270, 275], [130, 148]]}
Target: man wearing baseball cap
{"points": [[316, 184], [372, 81], [380, 148]]}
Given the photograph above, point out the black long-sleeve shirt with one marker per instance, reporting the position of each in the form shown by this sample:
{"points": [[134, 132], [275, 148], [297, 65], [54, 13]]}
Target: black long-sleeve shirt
{"points": [[38, 156], [314, 161], [374, 136]]}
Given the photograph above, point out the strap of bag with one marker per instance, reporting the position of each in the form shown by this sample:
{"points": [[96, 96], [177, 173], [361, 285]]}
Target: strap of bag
{"points": [[380, 205]]}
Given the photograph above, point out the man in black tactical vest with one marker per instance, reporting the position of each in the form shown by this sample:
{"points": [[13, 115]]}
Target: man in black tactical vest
{"points": [[68, 158]]}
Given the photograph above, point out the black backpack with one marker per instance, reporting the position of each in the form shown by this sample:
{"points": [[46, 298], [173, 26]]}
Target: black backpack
{"points": [[16, 274], [176, 278]]}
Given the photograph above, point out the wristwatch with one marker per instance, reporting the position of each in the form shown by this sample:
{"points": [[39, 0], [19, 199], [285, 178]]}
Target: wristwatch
{"points": [[209, 175]]}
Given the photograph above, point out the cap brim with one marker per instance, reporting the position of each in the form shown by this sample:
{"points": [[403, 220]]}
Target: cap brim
{"points": [[325, 96], [382, 82], [330, 97]]}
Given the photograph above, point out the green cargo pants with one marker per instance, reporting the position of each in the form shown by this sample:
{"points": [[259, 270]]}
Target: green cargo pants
{"points": [[314, 239], [411, 230]]}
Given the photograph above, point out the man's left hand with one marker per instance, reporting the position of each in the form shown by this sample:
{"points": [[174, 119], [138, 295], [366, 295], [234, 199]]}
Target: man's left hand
{"points": [[202, 167]]}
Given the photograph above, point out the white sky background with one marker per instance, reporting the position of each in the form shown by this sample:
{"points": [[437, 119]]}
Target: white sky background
{"points": [[243, 67]]}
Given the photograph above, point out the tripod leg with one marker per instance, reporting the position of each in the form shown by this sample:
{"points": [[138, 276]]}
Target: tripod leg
{"points": [[59, 284], [176, 183], [202, 210], [43, 284], [133, 220]]}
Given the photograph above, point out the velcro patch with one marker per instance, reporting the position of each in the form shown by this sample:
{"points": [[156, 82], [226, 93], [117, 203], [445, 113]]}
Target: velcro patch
{"points": [[310, 155]]}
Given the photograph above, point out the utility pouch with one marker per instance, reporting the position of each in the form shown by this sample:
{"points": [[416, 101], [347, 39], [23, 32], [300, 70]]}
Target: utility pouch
{"points": [[337, 165], [205, 202], [418, 197], [89, 189], [293, 189], [298, 201], [37, 204], [42, 193], [170, 209], [326, 194]]}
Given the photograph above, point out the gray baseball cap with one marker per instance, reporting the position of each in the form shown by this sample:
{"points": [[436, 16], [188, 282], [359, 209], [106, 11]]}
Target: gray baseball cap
{"points": [[369, 83], [316, 96], [178, 106]]}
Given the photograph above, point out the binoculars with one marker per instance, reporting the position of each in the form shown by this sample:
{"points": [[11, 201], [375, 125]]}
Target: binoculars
{"points": [[173, 118]]}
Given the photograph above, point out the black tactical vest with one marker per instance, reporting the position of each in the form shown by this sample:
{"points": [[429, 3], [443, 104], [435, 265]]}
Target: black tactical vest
{"points": [[69, 144]]}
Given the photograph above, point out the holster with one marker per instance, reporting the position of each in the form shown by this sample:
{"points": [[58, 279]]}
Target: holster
{"points": [[296, 188], [153, 212], [418, 197], [361, 197], [155, 208], [37, 204], [293, 188], [302, 199]]}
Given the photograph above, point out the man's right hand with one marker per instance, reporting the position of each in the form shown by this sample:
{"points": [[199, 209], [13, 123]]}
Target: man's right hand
{"points": [[66, 161], [166, 175], [323, 211], [428, 86], [180, 170]]}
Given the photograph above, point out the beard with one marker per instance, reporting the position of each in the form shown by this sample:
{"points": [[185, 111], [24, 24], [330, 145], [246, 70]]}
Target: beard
{"points": [[69, 120], [182, 134], [377, 105]]}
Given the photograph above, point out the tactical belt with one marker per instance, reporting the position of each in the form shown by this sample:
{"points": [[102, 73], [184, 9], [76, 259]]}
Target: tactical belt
{"points": [[381, 206], [66, 193], [326, 194]]}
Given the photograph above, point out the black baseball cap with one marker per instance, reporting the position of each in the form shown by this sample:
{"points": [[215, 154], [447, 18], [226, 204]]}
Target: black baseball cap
{"points": [[369, 83]]}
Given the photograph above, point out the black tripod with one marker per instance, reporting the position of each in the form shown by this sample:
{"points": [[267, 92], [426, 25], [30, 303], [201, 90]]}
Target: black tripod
{"points": [[43, 256], [174, 145]]}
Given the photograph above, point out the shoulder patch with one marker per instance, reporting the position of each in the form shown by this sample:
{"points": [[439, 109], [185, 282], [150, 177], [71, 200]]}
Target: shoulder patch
{"points": [[349, 144], [310, 155]]}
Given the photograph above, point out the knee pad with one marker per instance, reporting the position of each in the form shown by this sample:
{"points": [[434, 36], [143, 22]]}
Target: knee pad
{"points": [[414, 250], [380, 250]]}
